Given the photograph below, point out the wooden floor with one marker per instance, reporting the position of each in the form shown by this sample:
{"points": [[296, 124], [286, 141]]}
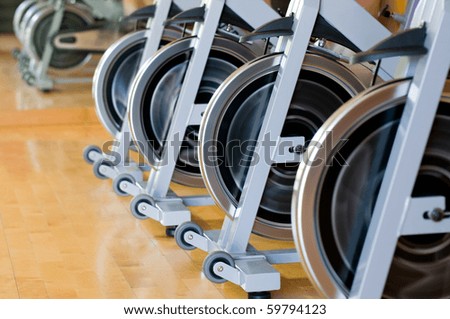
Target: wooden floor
{"points": [[64, 233]]}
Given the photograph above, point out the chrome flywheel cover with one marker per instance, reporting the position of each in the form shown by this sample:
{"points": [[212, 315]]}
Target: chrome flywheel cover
{"points": [[232, 122], [76, 16], [154, 95], [115, 73], [332, 204]]}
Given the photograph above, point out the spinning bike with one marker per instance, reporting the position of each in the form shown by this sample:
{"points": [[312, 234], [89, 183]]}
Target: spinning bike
{"points": [[371, 216], [59, 37], [249, 169]]}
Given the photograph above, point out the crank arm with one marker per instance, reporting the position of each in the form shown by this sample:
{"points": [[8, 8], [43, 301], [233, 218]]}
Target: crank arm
{"points": [[94, 40]]}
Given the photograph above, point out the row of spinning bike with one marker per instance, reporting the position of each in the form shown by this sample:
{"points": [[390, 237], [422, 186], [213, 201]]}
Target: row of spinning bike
{"points": [[61, 38], [308, 122]]}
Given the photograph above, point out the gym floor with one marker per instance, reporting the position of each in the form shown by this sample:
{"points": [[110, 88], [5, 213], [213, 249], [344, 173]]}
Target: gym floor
{"points": [[66, 234]]}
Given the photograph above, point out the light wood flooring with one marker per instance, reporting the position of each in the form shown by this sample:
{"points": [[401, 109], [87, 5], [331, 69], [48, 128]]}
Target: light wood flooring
{"points": [[64, 233]]}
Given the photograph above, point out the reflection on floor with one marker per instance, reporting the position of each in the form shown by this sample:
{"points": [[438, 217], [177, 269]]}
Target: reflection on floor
{"points": [[64, 233]]}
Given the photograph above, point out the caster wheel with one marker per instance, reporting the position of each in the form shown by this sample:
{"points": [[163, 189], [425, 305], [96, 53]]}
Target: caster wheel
{"points": [[24, 63], [29, 78], [124, 177], [22, 67], [87, 152], [16, 53], [31, 81], [259, 295], [181, 231], [211, 260], [141, 198], [97, 165], [170, 231]]}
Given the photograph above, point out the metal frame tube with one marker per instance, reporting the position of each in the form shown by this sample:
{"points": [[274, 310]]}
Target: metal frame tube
{"points": [[235, 235], [42, 79]]}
